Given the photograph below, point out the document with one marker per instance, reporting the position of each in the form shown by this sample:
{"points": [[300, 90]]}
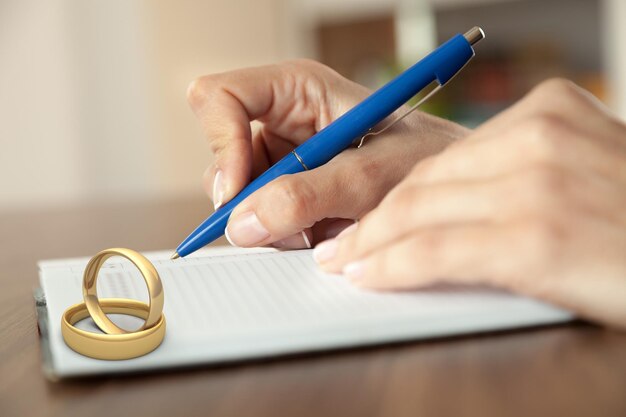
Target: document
{"points": [[230, 304]]}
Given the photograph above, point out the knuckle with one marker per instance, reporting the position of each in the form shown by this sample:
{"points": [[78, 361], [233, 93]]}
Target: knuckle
{"points": [[201, 90], [312, 74], [218, 146], [544, 180], [556, 93], [546, 134], [545, 125], [197, 91], [295, 200], [556, 87], [306, 65], [369, 169], [363, 171]]}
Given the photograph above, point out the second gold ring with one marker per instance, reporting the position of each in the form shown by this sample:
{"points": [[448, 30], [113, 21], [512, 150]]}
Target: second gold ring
{"points": [[116, 346], [150, 275]]}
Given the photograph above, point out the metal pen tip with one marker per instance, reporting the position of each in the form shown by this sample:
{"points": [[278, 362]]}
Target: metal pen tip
{"points": [[175, 255], [474, 35]]}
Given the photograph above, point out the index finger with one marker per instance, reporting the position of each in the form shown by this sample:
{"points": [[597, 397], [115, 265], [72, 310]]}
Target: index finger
{"points": [[226, 103]]}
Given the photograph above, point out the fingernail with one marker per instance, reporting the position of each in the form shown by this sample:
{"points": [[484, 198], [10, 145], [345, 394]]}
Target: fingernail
{"points": [[354, 271], [296, 241], [246, 230], [347, 230], [218, 190], [325, 251]]}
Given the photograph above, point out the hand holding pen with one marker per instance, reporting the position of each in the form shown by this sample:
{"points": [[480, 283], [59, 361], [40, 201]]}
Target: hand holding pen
{"points": [[307, 184], [293, 101]]}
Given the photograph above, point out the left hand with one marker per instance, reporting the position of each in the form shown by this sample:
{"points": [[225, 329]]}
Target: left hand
{"points": [[534, 201]]}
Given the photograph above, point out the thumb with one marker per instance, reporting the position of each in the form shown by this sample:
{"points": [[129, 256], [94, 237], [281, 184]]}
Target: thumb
{"points": [[292, 204]]}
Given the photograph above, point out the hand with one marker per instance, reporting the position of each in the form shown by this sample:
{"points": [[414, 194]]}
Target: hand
{"points": [[534, 201], [292, 102]]}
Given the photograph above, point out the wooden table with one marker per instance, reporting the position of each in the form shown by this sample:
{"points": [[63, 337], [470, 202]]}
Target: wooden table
{"points": [[570, 370]]}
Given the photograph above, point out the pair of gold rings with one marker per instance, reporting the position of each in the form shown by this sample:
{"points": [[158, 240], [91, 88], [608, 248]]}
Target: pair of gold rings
{"points": [[116, 343]]}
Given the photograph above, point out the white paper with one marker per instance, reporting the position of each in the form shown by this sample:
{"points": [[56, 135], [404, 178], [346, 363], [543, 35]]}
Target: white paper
{"points": [[233, 304]]}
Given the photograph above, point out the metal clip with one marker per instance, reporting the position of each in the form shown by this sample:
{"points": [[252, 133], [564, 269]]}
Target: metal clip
{"points": [[409, 111], [473, 36]]}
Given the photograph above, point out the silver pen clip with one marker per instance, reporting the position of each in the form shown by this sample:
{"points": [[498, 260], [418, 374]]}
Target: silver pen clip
{"points": [[473, 36], [405, 114]]}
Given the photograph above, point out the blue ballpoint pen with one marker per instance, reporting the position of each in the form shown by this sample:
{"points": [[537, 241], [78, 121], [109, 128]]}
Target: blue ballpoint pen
{"points": [[440, 66]]}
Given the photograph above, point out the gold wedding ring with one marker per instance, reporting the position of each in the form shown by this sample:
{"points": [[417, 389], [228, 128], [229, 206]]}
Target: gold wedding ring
{"points": [[116, 343], [150, 275], [112, 346]]}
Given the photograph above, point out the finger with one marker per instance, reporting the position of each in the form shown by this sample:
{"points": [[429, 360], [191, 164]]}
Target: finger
{"points": [[226, 104], [276, 147], [541, 140], [267, 149], [226, 125], [469, 253], [212, 178], [542, 191], [296, 202], [421, 207]]}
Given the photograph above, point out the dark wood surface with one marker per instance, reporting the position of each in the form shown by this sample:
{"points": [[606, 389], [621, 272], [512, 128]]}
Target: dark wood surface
{"points": [[569, 370]]}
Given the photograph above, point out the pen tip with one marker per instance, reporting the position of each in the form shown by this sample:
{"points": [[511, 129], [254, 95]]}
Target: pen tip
{"points": [[175, 255]]}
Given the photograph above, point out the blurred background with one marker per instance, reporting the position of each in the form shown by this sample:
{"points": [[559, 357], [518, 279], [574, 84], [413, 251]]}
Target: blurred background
{"points": [[92, 93]]}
